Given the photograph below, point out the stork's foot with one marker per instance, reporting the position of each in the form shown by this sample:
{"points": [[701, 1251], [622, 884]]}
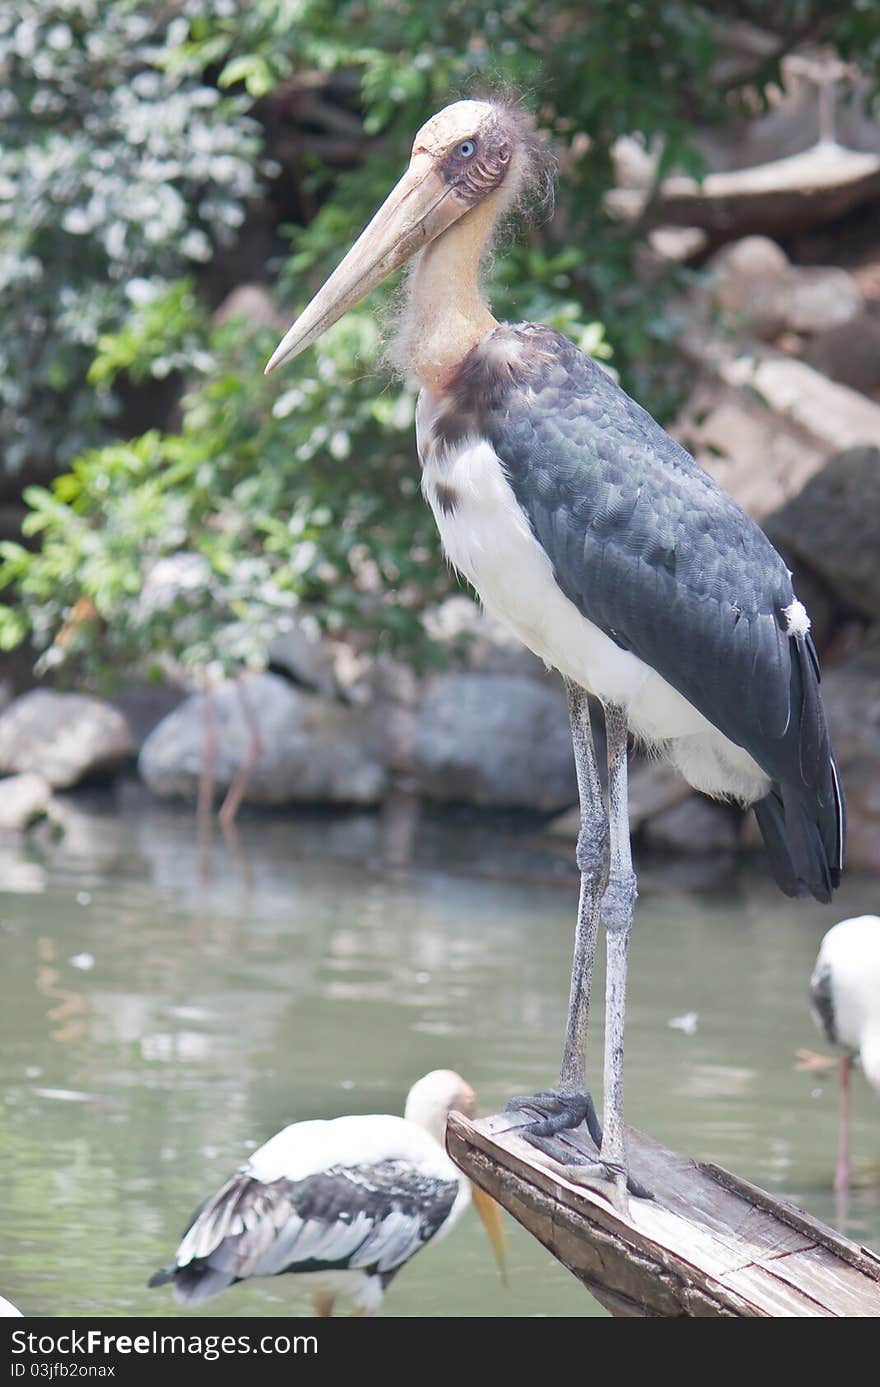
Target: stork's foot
{"points": [[564, 1111], [807, 1061]]}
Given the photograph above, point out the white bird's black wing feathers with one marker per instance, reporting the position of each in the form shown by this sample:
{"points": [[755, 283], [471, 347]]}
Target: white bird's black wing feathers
{"points": [[822, 1002], [654, 553], [371, 1218]]}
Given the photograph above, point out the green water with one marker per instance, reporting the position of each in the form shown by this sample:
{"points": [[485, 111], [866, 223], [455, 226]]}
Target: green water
{"points": [[156, 1025]]}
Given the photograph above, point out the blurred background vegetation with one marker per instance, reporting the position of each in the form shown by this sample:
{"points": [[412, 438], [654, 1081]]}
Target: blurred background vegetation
{"points": [[155, 157]]}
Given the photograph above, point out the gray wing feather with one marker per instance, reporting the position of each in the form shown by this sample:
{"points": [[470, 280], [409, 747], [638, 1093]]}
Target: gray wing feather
{"points": [[367, 1217], [646, 544], [650, 549], [822, 1002]]}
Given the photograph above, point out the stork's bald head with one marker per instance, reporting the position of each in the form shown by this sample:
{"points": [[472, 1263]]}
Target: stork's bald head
{"points": [[472, 147], [467, 154]]}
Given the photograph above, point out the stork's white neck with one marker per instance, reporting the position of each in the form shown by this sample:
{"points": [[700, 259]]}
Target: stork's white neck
{"points": [[429, 1113], [447, 313]]}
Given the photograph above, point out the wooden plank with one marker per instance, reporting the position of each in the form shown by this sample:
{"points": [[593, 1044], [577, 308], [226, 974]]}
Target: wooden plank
{"points": [[707, 1244], [864, 1258]]}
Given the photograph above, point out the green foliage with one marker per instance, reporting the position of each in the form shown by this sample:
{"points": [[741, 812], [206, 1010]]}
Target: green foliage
{"points": [[112, 169], [302, 489], [199, 544]]}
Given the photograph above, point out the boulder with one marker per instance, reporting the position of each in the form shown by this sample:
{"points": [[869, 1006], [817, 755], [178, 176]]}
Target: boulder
{"points": [[65, 737], [654, 786], [762, 423], [851, 695], [755, 285], [816, 298], [499, 740], [832, 527], [311, 750], [696, 826], [23, 798], [751, 450], [144, 704], [849, 354], [669, 245], [746, 274]]}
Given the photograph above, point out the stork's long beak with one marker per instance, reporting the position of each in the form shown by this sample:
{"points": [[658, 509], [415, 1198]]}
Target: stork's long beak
{"points": [[420, 207], [490, 1216]]}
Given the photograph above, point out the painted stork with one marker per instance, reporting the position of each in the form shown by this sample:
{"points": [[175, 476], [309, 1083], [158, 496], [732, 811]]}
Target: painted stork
{"points": [[609, 552], [845, 1002], [343, 1205]]}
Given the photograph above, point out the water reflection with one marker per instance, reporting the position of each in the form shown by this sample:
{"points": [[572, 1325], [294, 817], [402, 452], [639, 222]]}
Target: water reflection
{"points": [[155, 1027]]}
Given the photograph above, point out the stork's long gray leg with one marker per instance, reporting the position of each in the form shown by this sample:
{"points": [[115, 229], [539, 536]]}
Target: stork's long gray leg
{"points": [[570, 1104], [592, 860], [608, 890], [617, 914]]}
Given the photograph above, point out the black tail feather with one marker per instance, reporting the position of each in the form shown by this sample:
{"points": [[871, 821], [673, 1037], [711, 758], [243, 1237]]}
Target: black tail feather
{"points": [[194, 1283], [805, 849]]}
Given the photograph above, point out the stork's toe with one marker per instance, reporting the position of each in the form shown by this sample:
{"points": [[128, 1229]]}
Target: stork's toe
{"points": [[559, 1111], [565, 1112]]}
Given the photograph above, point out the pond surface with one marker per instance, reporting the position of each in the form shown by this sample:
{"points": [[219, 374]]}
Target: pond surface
{"points": [[155, 1026]]}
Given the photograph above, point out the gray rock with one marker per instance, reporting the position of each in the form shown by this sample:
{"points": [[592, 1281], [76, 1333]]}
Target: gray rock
{"points": [[669, 245], [565, 825], [144, 704], [653, 787], [746, 274], [697, 826], [762, 423], [851, 694], [755, 284], [311, 751], [499, 740], [817, 298], [832, 527], [23, 798], [64, 737], [849, 354]]}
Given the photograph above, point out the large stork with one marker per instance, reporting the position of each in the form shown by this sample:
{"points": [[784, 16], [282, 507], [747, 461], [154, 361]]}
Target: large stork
{"points": [[342, 1205], [609, 552]]}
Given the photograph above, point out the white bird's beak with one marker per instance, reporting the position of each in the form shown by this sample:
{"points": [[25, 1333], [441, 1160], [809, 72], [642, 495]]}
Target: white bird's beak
{"points": [[490, 1217], [419, 208]]}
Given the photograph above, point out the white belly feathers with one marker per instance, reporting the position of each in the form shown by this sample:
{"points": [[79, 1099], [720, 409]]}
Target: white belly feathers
{"points": [[487, 538]]}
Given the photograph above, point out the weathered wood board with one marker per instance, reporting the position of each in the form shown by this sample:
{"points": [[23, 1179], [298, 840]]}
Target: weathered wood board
{"points": [[707, 1244]]}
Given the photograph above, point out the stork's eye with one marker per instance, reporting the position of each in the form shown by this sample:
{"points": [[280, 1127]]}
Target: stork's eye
{"points": [[467, 149]]}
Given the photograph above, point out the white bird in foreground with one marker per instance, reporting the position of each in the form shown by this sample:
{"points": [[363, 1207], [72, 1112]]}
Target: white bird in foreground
{"points": [[7, 1309], [342, 1204], [845, 1002]]}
